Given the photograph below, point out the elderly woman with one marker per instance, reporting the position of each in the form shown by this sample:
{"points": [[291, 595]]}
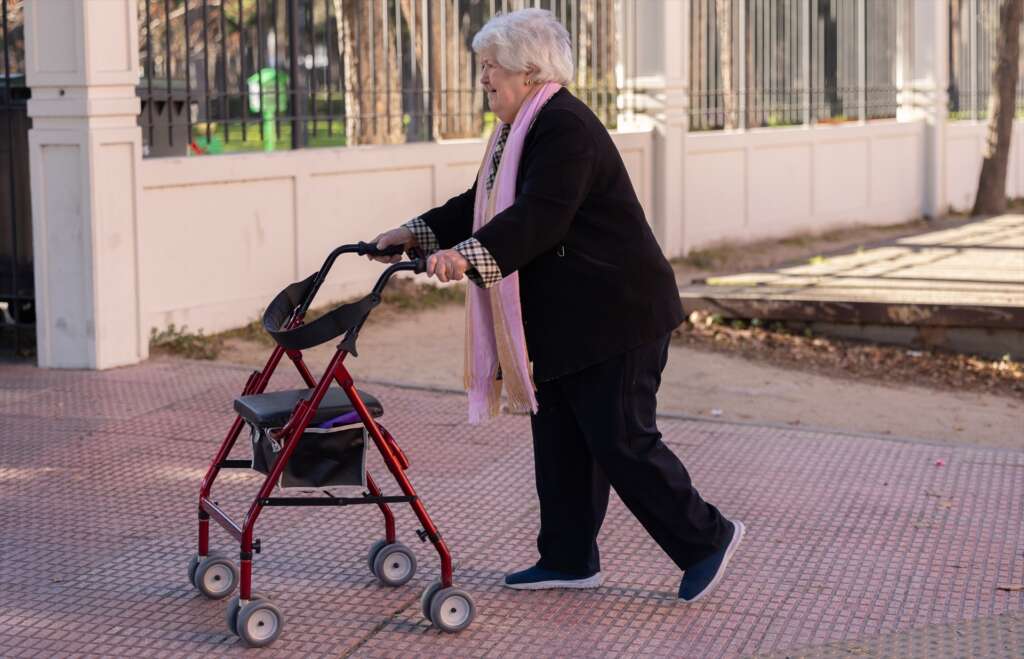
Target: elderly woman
{"points": [[568, 275]]}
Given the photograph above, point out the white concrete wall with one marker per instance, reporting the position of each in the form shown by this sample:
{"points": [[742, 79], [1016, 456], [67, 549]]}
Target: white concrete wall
{"points": [[220, 236], [764, 183], [965, 142]]}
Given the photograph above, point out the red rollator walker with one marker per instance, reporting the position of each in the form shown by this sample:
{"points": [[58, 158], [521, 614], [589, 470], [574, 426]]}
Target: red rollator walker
{"points": [[314, 439]]}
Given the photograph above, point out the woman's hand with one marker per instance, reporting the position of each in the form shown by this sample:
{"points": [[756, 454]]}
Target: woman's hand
{"points": [[447, 265], [400, 236]]}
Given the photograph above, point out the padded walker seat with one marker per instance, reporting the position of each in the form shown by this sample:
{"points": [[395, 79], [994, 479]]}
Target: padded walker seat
{"points": [[274, 409]]}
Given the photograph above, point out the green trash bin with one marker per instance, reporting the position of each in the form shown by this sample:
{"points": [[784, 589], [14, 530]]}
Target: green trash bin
{"points": [[274, 99]]}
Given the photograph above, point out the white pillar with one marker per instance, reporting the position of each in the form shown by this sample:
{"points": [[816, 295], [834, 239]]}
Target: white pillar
{"points": [[923, 93], [671, 20], [84, 151]]}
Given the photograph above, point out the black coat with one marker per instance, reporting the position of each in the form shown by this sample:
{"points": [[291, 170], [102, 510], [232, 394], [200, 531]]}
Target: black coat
{"points": [[593, 281]]}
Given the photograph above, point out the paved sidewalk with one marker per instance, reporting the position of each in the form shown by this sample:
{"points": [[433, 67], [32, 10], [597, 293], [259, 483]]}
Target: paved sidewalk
{"points": [[855, 544]]}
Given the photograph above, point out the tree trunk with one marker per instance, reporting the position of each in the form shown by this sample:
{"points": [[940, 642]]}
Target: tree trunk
{"points": [[723, 22], [1002, 105], [373, 98]]}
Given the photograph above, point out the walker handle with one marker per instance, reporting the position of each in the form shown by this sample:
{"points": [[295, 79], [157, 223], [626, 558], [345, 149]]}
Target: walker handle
{"points": [[371, 249]]}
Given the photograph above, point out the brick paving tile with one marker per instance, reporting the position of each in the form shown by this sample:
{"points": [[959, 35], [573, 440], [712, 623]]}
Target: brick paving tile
{"points": [[854, 543]]}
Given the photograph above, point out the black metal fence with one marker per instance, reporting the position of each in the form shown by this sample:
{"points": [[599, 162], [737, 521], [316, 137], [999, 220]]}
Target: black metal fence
{"points": [[235, 75], [760, 63], [972, 46], [17, 308]]}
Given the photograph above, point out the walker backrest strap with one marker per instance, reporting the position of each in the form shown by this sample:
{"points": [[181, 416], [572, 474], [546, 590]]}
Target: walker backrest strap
{"points": [[332, 324]]}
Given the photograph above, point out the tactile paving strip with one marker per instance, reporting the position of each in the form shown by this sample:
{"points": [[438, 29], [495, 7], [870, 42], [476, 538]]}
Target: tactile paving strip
{"points": [[849, 537]]}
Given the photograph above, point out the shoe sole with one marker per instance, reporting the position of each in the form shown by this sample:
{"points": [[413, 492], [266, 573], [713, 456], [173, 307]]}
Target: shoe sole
{"points": [[569, 584], [737, 538]]}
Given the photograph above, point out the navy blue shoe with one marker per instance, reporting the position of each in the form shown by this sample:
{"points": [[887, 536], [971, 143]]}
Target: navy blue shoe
{"points": [[700, 579], [537, 578]]}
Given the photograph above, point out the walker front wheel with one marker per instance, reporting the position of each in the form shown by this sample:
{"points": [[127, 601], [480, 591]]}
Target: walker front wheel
{"points": [[234, 606], [259, 623], [427, 596], [451, 610]]}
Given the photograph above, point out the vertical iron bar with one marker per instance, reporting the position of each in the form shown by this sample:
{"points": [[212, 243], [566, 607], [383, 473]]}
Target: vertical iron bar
{"points": [[327, 73], [592, 69], [242, 76], [258, 69], [413, 104], [428, 88], [223, 90], [386, 46], [292, 21], [311, 76], [805, 34], [9, 111], [169, 106], [188, 80], [274, 14], [443, 59], [373, 69], [206, 69], [862, 54], [149, 70], [400, 68]]}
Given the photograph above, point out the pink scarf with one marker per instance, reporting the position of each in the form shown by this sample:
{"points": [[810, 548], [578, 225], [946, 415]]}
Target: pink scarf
{"points": [[494, 319]]}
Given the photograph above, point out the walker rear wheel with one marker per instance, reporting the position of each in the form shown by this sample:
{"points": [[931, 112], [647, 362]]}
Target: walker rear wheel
{"points": [[394, 564], [372, 554], [193, 564], [216, 576]]}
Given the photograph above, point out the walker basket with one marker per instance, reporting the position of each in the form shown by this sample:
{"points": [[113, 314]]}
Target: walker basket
{"points": [[324, 458]]}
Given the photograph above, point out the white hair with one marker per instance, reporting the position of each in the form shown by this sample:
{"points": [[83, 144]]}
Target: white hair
{"points": [[529, 38]]}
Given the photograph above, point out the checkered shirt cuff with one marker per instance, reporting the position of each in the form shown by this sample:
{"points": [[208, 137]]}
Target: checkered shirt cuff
{"points": [[484, 271], [424, 235]]}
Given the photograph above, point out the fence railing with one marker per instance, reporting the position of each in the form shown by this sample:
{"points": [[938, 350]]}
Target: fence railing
{"points": [[972, 46], [17, 306], [229, 75], [760, 63]]}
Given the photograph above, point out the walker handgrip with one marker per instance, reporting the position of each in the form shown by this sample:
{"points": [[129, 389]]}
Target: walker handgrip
{"points": [[372, 250]]}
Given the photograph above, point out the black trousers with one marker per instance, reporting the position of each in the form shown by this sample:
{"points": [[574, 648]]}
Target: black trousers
{"points": [[597, 428]]}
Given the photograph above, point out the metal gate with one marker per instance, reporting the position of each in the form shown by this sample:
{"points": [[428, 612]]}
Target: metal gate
{"points": [[17, 305]]}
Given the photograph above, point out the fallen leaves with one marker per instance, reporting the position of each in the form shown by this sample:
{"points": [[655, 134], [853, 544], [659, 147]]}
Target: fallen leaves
{"points": [[772, 342]]}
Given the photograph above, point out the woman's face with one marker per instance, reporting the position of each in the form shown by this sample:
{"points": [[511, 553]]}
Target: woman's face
{"points": [[505, 90]]}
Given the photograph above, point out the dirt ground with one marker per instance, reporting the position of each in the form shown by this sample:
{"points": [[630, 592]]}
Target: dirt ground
{"points": [[425, 347]]}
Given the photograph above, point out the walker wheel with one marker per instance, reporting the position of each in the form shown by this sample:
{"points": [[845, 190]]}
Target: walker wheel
{"points": [[427, 595], [394, 564], [372, 554], [259, 623], [216, 576], [234, 606], [451, 610], [194, 563]]}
